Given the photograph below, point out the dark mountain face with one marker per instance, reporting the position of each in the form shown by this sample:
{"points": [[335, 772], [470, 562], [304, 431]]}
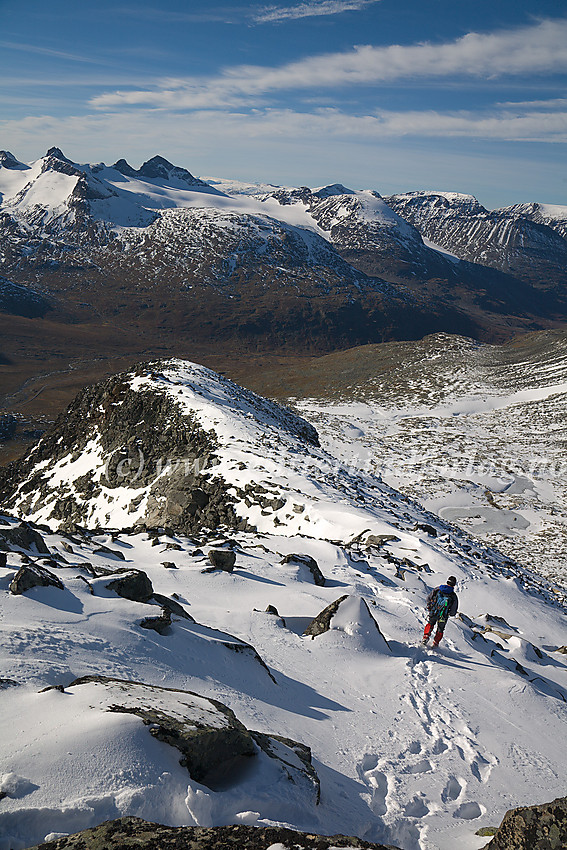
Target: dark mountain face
{"points": [[506, 239]]}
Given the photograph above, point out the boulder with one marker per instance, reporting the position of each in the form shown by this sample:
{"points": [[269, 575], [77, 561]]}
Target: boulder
{"points": [[131, 584], [541, 827], [310, 563], [222, 559], [23, 536], [32, 575], [131, 832], [172, 606]]}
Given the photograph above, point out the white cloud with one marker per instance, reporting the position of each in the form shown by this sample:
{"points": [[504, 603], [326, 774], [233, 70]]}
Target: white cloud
{"points": [[272, 14], [273, 126], [538, 49]]}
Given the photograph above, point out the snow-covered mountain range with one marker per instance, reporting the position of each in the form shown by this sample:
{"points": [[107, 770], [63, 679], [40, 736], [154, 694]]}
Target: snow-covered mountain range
{"points": [[313, 268], [162, 653]]}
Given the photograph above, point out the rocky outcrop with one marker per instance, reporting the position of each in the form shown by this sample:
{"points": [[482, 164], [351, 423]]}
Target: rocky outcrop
{"points": [[137, 440], [130, 832], [541, 827]]}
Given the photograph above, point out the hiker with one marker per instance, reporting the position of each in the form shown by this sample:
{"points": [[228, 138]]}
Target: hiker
{"points": [[442, 603]]}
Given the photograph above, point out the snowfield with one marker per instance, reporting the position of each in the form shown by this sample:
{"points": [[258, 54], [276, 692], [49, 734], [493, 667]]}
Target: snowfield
{"points": [[413, 747]]}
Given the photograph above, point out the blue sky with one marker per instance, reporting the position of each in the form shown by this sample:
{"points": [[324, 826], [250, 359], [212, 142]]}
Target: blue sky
{"points": [[391, 95]]}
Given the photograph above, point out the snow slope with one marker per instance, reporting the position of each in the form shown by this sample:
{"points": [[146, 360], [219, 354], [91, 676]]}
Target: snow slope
{"points": [[412, 747], [474, 432]]}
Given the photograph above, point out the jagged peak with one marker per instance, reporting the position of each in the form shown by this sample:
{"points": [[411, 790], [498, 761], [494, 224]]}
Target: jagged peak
{"points": [[8, 160], [57, 153]]}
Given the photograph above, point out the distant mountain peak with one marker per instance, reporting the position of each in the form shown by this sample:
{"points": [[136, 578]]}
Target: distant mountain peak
{"points": [[125, 168], [8, 160], [332, 189], [57, 153]]}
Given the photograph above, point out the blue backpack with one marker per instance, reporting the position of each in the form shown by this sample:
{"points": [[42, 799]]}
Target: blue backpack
{"points": [[439, 601]]}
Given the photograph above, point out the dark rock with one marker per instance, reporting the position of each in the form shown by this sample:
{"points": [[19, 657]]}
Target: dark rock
{"points": [[32, 575], [112, 553], [380, 539], [533, 828], [157, 624], [222, 559], [8, 683], [24, 537], [322, 622], [429, 529], [271, 609], [132, 833], [172, 606], [310, 563], [8, 425], [3, 559], [169, 565], [131, 584]]}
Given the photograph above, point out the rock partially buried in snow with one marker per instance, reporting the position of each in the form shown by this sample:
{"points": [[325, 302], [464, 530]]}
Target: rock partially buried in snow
{"points": [[207, 734], [32, 575], [23, 536], [131, 832], [352, 616], [310, 563]]}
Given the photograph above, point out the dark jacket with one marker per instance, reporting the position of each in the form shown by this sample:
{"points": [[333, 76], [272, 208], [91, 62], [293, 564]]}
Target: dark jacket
{"points": [[437, 598]]}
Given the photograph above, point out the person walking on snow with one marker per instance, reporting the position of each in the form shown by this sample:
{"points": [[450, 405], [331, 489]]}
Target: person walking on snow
{"points": [[442, 603]]}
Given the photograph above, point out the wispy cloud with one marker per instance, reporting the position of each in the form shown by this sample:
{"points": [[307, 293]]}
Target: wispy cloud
{"points": [[46, 51], [534, 50], [278, 126], [273, 14]]}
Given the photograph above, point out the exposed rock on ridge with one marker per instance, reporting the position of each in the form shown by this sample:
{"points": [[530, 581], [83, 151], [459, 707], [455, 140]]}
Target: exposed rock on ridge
{"points": [[133, 833]]}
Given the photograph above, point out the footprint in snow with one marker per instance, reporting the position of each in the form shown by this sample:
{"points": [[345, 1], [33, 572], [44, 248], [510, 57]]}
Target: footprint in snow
{"points": [[468, 811], [452, 789], [376, 782]]}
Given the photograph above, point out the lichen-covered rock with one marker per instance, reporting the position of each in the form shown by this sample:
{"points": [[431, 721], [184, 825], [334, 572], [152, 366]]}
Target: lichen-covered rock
{"points": [[32, 575], [541, 827], [131, 833], [131, 584], [310, 563]]}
